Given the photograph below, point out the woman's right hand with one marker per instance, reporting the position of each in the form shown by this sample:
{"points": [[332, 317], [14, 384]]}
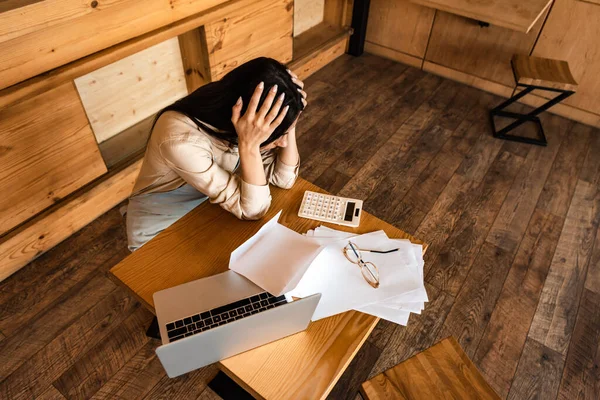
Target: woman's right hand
{"points": [[254, 127]]}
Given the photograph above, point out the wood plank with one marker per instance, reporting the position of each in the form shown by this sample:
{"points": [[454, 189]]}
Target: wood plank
{"points": [[391, 107], [41, 50], [25, 305], [157, 70], [511, 14], [468, 79], [570, 34], [592, 280], [580, 375], [364, 182], [127, 145], [391, 54], [442, 371], [501, 344], [486, 53], [88, 374], [137, 377], [538, 71], [191, 385], [42, 368], [262, 29], [420, 334], [51, 394], [307, 14], [561, 182], [555, 316], [341, 128], [35, 273], [448, 108], [512, 220], [332, 180], [538, 375], [316, 60], [51, 228], [449, 270], [92, 62], [432, 181], [380, 387], [445, 213], [400, 25], [18, 349], [194, 58], [316, 37], [40, 171]]}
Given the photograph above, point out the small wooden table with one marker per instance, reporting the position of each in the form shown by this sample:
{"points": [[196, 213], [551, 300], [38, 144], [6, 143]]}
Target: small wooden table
{"points": [[303, 366], [518, 15]]}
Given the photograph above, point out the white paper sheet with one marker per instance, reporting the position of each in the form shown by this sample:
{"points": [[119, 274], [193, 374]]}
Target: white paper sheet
{"points": [[275, 258], [396, 316], [341, 284]]}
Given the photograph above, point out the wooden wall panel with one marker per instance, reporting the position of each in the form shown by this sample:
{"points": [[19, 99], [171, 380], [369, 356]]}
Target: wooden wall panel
{"points": [[194, 58], [47, 150], [53, 226], [32, 45], [461, 44], [307, 13], [400, 26], [262, 29], [123, 93], [572, 33]]}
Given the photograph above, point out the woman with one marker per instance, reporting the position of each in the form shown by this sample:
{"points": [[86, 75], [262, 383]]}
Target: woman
{"points": [[225, 142]]}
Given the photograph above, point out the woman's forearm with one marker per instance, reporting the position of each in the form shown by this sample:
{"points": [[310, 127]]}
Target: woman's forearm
{"points": [[252, 166], [289, 154]]}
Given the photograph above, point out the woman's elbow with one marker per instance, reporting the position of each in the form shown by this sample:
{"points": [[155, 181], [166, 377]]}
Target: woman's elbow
{"points": [[255, 213]]}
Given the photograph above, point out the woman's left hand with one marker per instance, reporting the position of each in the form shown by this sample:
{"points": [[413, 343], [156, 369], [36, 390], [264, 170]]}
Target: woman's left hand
{"points": [[300, 85]]}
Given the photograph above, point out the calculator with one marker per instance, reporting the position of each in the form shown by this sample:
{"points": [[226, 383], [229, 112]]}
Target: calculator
{"points": [[328, 208]]}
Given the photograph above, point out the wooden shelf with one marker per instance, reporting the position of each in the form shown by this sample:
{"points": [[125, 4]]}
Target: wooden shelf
{"points": [[318, 38]]}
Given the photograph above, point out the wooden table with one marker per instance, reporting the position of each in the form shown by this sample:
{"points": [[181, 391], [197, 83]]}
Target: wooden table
{"points": [[519, 15], [303, 366]]}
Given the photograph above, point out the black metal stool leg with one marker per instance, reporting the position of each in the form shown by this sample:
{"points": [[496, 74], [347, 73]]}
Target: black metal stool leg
{"points": [[523, 118]]}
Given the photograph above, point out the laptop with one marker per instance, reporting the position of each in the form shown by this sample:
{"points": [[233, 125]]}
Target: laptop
{"points": [[210, 319]]}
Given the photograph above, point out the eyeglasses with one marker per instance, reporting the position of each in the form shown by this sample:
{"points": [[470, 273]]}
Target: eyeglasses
{"points": [[368, 269]]}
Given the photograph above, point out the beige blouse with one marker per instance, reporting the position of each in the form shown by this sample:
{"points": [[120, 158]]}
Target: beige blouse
{"points": [[179, 151]]}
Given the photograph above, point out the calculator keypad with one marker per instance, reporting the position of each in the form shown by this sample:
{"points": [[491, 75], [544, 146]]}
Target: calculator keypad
{"points": [[324, 207]]}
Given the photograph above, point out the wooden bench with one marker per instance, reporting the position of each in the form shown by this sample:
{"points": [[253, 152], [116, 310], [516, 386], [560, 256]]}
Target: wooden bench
{"points": [[443, 371]]}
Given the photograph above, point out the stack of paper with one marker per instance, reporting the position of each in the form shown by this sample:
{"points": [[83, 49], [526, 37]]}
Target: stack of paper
{"points": [[342, 286], [283, 261]]}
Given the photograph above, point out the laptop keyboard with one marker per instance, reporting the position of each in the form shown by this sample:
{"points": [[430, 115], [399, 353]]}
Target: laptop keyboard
{"points": [[221, 315]]}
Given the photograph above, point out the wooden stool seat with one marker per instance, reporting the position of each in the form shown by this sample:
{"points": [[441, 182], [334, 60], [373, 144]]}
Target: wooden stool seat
{"points": [[543, 72], [441, 372]]}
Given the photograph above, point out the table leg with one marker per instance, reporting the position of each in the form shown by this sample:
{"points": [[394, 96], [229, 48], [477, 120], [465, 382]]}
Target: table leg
{"points": [[226, 387], [153, 330], [360, 16]]}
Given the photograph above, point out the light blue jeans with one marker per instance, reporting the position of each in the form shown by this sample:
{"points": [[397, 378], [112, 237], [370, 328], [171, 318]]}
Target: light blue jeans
{"points": [[151, 213]]}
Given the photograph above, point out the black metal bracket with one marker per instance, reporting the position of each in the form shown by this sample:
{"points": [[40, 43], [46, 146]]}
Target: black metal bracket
{"points": [[360, 17], [523, 118]]}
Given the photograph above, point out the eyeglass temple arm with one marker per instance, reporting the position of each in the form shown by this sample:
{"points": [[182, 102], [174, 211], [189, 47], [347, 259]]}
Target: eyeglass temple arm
{"points": [[379, 251]]}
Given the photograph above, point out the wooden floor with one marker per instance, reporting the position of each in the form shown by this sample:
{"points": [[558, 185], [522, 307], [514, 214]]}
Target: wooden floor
{"points": [[512, 271]]}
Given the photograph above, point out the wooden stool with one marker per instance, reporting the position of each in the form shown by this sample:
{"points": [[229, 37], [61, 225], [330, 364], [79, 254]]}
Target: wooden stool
{"points": [[534, 73], [441, 372]]}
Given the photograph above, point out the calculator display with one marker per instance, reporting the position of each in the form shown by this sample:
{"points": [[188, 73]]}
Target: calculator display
{"points": [[349, 211]]}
